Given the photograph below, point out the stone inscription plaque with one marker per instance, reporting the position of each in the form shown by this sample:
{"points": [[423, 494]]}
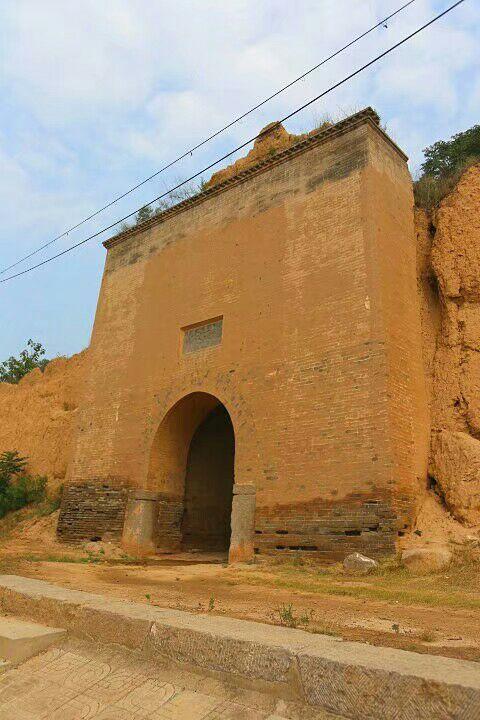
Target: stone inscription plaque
{"points": [[202, 336]]}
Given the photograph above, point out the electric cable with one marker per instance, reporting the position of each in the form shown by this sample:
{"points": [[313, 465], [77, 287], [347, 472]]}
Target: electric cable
{"points": [[244, 144], [191, 150]]}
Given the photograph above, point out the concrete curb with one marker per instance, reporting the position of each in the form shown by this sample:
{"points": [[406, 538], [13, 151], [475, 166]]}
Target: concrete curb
{"points": [[355, 680]]}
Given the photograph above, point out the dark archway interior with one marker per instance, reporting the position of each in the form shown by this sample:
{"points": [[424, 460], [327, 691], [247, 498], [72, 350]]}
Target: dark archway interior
{"points": [[209, 484]]}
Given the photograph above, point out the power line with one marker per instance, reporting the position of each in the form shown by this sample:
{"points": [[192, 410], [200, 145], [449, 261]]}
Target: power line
{"points": [[210, 137], [247, 142]]}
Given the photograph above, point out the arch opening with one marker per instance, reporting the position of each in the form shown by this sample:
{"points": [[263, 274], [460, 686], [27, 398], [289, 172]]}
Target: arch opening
{"points": [[192, 470], [209, 484]]}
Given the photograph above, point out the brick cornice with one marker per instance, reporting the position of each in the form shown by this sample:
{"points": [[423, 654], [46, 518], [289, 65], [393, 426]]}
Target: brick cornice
{"points": [[366, 116]]}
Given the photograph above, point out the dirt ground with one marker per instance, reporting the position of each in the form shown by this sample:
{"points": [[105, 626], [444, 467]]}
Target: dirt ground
{"points": [[436, 613]]}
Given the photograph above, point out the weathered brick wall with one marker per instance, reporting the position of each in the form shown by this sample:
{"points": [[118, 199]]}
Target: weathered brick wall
{"points": [[170, 514], [309, 261], [326, 529], [93, 509], [391, 247]]}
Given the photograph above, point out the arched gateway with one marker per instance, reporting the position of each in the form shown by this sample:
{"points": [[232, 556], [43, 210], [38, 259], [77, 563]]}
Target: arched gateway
{"points": [[186, 502]]}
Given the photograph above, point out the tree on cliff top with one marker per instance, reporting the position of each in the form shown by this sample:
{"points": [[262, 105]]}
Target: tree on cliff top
{"points": [[14, 369], [446, 156], [445, 161]]}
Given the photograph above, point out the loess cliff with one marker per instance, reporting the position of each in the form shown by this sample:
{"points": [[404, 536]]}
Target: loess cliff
{"points": [[448, 243], [37, 416]]}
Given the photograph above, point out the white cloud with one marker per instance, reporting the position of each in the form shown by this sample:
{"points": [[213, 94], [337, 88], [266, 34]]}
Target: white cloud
{"points": [[425, 72], [32, 209], [131, 81], [97, 94]]}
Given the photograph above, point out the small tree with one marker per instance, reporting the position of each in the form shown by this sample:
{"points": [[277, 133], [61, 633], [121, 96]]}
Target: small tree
{"points": [[14, 369], [445, 156], [17, 488], [145, 213], [11, 466], [445, 161]]}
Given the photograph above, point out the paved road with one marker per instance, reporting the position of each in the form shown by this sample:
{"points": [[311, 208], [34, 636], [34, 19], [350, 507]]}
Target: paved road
{"points": [[82, 681]]}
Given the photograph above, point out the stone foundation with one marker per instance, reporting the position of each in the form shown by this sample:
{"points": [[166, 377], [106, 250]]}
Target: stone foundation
{"points": [[94, 509], [321, 529]]}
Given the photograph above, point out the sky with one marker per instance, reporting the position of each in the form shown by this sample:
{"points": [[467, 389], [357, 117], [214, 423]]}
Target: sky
{"points": [[96, 96]]}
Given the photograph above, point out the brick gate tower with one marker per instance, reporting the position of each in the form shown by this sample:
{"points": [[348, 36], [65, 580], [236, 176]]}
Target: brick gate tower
{"points": [[255, 380]]}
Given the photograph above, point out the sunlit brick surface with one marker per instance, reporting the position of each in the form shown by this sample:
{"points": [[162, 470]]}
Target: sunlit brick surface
{"points": [[310, 261]]}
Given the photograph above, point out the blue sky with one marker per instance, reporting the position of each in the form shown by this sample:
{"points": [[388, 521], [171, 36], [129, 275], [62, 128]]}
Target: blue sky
{"points": [[95, 96]]}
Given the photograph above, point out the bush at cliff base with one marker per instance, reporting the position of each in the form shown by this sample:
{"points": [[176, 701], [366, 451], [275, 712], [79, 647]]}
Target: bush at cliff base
{"points": [[17, 488]]}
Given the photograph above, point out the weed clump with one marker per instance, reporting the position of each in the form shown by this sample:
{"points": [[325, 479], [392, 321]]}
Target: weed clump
{"points": [[289, 618]]}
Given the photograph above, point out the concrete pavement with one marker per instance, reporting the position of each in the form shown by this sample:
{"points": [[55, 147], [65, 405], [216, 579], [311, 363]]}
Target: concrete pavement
{"points": [[86, 681]]}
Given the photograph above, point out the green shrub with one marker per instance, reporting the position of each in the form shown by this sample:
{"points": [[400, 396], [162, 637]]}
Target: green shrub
{"points": [[14, 369], [51, 502], [24, 490], [18, 489], [429, 190], [444, 163]]}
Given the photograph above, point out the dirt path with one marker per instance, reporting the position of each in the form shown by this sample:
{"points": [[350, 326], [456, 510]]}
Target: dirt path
{"points": [[437, 613], [247, 593]]}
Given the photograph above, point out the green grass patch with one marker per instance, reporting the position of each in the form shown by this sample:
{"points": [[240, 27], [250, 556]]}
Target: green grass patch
{"points": [[455, 587]]}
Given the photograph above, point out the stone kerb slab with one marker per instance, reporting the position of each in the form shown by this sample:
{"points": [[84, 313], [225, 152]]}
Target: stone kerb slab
{"points": [[20, 640], [365, 682], [353, 679]]}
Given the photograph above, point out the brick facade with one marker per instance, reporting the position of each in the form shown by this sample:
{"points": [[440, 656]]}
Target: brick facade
{"points": [[308, 259], [325, 529]]}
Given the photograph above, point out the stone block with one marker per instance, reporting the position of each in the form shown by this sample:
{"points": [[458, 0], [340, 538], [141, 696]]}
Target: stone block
{"points": [[359, 564], [223, 645], [426, 559], [244, 489], [243, 525], [20, 640], [87, 615], [140, 527], [371, 683]]}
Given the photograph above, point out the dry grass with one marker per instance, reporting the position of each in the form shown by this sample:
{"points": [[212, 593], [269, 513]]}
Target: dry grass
{"points": [[455, 587], [427, 636], [430, 191], [12, 520]]}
